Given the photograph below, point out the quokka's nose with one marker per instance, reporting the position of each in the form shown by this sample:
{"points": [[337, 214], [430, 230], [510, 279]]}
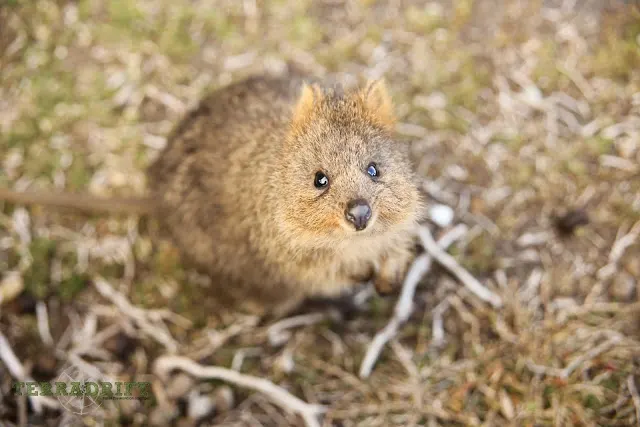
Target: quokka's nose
{"points": [[358, 212]]}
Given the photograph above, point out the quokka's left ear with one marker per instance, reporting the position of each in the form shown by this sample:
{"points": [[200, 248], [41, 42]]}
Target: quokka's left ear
{"points": [[309, 96], [378, 103]]}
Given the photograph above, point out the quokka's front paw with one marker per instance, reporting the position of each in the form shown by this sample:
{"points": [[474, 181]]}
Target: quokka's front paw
{"points": [[391, 274], [384, 287]]}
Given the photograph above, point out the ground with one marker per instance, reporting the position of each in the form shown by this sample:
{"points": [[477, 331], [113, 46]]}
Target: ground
{"points": [[523, 116]]}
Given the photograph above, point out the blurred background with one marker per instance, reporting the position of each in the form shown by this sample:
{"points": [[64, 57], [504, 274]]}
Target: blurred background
{"points": [[523, 117]]}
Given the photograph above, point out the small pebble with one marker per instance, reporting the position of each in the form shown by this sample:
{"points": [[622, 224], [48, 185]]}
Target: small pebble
{"points": [[199, 405], [533, 95], [223, 399], [457, 172], [623, 287], [179, 385], [13, 160], [435, 101], [441, 215], [285, 362], [11, 286]]}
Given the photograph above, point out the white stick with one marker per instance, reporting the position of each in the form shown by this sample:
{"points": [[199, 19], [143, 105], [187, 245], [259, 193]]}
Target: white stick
{"points": [[438, 323], [43, 323], [309, 413], [17, 371], [460, 273], [10, 360], [404, 306], [400, 315], [279, 332]]}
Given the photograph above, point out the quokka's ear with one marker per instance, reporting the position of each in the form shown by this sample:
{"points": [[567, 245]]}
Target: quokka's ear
{"points": [[378, 103], [309, 96]]}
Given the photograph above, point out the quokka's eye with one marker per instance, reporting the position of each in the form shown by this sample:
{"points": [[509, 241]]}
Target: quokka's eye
{"points": [[372, 170], [321, 180]]}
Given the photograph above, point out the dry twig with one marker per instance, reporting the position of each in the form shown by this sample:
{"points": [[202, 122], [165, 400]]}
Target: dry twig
{"points": [[278, 395], [139, 316], [279, 331], [404, 306], [214, 339], [568, 370], [618, 249], [447, 261], [43, 323], [591, 354], [438, 323]]}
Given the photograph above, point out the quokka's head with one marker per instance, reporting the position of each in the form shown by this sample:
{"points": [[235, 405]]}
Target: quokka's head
{"points": [[342, 175]]}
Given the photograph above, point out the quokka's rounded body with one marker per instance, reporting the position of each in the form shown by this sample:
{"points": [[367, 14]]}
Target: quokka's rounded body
{"points": [[281, 189]]}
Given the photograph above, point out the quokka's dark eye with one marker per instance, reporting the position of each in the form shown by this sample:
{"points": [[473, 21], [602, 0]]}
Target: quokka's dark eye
{"points": [[321, 180], [372, 170]]}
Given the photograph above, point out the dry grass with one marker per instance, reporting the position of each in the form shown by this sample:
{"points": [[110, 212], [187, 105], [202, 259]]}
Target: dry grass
{"points": [[524, 116]]}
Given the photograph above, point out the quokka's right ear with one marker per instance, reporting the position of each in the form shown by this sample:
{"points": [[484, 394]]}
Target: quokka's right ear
{"points": [[378, 102], [309, 96]]}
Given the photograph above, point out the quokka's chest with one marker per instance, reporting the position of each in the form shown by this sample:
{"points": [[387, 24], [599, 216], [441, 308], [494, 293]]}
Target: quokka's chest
{"points": [[337, 272]]}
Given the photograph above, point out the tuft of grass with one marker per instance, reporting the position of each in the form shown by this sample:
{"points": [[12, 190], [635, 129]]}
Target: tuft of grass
{"points": [[480, 255], [125, 14], [423, 20], [37, 277], [70, 287], [618, 57]]}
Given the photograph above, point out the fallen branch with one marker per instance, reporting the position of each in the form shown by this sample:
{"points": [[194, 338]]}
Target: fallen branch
{"points": [[309, 413], [404, 306], [447, 261]]}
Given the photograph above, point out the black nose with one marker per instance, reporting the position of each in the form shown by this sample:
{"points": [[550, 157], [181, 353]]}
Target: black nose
{"points": [[358, 212]]}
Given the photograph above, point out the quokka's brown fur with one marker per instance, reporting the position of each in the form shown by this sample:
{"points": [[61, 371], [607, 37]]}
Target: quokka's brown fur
{"points": [[234, 189]]}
